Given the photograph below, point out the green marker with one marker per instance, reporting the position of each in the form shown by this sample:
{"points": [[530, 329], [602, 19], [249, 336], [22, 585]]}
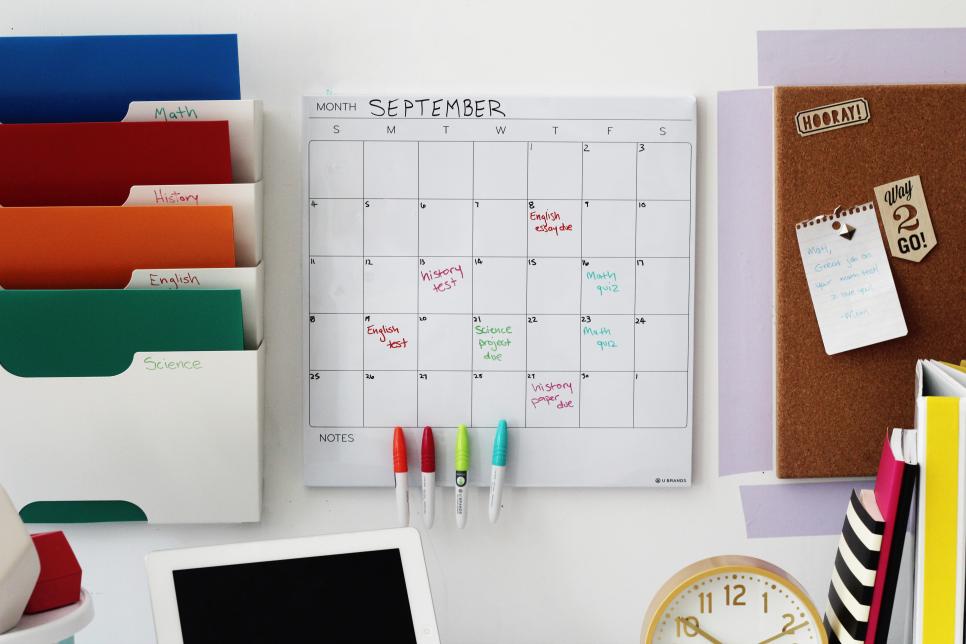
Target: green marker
{"points": [[462, 468]]}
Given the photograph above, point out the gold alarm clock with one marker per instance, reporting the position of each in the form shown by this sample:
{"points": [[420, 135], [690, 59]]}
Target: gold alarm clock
{"points": [[732, 600]]}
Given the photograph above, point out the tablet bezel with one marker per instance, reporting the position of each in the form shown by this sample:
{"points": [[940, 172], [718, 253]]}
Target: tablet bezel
{"points": [[161, 566]]}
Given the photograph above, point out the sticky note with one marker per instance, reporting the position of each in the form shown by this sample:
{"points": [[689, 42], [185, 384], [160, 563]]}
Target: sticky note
{"points": [[849, 279]]}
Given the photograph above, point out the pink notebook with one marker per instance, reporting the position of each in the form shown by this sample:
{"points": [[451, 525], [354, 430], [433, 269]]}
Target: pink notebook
{"points": [[894, 486]]}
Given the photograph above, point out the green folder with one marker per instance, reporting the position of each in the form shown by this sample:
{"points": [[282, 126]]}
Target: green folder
{"points": [[97, 332]]}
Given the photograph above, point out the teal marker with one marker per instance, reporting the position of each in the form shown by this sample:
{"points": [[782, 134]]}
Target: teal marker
{"points": [[462, 471], [499, 470]]}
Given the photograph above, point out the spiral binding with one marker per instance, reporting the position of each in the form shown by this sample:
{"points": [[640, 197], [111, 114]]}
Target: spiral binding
{"points": [[838, 213]]}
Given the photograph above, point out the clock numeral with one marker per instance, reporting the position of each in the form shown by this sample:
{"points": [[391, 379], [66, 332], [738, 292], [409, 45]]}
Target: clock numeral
{"points": [[689, 625], [702, 596], [737, 599], [764, 597], [789, 620]]}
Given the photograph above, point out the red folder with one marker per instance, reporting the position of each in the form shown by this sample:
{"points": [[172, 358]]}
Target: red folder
{"points": [[95, 164]]}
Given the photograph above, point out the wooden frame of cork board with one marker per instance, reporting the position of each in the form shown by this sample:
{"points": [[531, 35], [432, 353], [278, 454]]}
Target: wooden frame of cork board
{"points": [[832, 411]]}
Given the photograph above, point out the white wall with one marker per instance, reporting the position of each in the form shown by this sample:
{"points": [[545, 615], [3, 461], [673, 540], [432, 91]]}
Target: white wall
{"points": [[562, 565]]}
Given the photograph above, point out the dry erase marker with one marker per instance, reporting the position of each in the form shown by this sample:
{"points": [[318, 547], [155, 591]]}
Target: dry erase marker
{"points": [[428, 458], [400, 466], [462, 468], [498, 471]]}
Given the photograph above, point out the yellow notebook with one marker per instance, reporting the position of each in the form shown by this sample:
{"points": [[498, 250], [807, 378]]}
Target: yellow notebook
{"points": [[940, 559]]}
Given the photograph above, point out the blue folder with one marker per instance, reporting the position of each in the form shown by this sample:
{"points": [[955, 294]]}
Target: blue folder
{"points": [[59, 79]]}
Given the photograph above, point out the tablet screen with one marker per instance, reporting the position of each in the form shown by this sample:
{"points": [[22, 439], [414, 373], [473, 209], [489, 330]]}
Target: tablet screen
{"points": [[352, 597]]}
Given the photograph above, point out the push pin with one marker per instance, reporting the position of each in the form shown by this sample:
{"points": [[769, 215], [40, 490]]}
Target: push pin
{"points": [[845, 230]]}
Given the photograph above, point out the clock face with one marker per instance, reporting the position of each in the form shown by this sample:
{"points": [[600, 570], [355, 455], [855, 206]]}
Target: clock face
{"points": [[736, 605]]}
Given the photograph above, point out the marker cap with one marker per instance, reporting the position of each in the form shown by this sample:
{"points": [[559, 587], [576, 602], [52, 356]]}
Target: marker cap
{"points": [[462, 449], [400, 463], [500, 444], [428, 455]]}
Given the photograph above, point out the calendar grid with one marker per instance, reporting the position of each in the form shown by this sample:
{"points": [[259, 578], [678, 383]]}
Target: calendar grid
{"points": [[548, 258]]}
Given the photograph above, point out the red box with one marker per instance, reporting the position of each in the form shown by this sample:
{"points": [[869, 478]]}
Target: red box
{"points": [[60, 574]]}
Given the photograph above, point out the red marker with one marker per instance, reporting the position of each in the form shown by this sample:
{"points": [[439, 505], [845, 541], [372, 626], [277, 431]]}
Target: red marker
{"points": [[400, 466], [428, 458]]}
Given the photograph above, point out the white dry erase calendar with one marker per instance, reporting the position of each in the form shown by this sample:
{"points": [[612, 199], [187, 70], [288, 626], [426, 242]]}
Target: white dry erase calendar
{"points": [[475, 259]]}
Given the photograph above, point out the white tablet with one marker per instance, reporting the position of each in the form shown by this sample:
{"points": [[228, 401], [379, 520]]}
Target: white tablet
{"points": [[359, 587]]}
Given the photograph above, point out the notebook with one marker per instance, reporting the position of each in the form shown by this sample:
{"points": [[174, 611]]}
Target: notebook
{"points": [[940, 559], [856, 560], [830, 411], [894, 487]]}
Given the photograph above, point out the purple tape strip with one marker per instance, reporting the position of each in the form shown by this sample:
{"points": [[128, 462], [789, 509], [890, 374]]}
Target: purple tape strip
{"points": [[861, 57], [744, 281], [796, 509]]}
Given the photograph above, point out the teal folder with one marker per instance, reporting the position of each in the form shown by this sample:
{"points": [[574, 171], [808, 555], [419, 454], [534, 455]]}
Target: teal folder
{"points": [[55, 333]]}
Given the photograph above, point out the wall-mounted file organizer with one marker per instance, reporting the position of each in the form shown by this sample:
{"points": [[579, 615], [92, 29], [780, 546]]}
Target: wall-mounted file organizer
{"points": [[171, 431]]}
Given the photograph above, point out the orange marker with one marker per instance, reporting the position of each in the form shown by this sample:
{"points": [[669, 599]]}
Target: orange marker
{"points": [[400, 467]]}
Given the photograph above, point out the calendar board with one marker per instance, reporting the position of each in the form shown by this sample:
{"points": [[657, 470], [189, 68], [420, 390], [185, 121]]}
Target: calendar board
{"points": [[475, 259]]}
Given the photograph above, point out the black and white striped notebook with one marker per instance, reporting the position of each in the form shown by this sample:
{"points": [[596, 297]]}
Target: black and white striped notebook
{"points": [[856, 561]]}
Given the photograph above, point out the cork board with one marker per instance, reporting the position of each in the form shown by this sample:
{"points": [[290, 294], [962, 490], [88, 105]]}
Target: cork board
{"points": [[832, 411]]}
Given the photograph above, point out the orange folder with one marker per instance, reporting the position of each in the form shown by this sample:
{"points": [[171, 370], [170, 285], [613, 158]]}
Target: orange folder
{"points": [[66, 247]]}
